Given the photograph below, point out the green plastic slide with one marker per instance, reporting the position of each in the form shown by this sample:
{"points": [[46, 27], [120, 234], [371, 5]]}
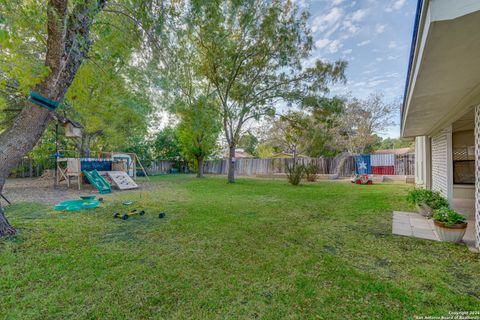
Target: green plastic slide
{"points": [[97, 181]]}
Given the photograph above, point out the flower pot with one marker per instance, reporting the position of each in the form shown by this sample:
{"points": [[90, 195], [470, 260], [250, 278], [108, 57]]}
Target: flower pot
{"points": [[453, 233], [423, 209]]}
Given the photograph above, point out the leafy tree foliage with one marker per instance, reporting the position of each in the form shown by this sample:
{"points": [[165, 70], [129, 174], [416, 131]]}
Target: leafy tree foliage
{"points": [[198, 130], [249, 143], [253, 53], [188, 94], [43, 45], [392, 143], [363, 119], [166, 145]]}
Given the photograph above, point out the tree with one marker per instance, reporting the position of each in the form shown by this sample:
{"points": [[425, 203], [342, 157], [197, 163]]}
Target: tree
{"points": [[249, 143], [253, 53], [48, 62], [392, 143], [110, 109], [198, 130], [166, 145], [190, 96], [325, 114], [68, 43], [363, 119], [308, 130], [289, 133]]}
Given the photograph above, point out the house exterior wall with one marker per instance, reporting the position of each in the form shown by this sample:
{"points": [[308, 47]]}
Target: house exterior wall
{"points": [[442, 163]]}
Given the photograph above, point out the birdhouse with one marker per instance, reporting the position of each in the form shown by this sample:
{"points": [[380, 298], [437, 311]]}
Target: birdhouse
{"points": [[72, 129]]}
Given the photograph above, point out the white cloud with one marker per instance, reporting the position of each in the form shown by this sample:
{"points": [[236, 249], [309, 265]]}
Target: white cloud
{"points": [[322, 43], [337, 2], [334, 46], [347, 51], [363, 43], [375, 83], [392, 74], [379, 59], [350, 27], [380, 28], [331, 46], [359, 15], [395, 5], [393, 57], [392, 45], [328, 23]]}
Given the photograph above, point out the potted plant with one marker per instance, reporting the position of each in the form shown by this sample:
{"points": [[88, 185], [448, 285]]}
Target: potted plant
{"points": [[449, 225], [426, 200]]}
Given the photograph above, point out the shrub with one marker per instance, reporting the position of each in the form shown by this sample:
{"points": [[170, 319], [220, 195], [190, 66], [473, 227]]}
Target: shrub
{"points": [[295, 173], [433, 199], [447, 216], [311, 171]]}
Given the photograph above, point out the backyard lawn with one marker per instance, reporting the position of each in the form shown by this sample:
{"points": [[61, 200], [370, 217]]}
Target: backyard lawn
{"points": [[256, 249]]}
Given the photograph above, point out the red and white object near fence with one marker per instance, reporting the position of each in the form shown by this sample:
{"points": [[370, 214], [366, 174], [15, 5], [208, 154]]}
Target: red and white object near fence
{"points": [[383, 164]]}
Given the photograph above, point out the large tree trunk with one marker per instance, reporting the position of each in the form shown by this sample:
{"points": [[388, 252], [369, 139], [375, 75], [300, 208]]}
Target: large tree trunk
{"points": [[5, 228], [68, 43], [200, 167], [231, 164]]}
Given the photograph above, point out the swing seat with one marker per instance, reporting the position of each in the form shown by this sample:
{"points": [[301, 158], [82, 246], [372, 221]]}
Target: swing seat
{"points": [[41, 101]]}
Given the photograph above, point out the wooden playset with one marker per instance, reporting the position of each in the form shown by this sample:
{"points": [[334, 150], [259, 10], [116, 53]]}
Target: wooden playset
{"points": [[109, 169]]}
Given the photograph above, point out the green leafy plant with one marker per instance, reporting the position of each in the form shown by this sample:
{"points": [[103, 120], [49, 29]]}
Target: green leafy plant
{"points": [[433, 199], [311, 171], [295, 173], [447, 216]]}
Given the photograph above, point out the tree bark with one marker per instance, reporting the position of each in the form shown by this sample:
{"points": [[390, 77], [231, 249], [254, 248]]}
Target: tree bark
{"points": [[231, 164], [200, 167], [5, 228], [68, 43]]}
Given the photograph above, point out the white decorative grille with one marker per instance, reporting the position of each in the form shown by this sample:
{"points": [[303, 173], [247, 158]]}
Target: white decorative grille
{"points": [[439, 164], [477, 175]]}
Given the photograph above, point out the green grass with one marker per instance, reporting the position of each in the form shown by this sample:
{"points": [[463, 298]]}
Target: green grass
{"points": [[256, 249]]}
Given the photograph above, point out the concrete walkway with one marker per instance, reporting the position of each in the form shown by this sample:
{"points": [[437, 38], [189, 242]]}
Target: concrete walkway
{"points": [[415, 225]]}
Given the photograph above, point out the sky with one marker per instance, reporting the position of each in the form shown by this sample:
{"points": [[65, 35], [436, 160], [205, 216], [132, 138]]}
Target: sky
{"points": [[374, 36]]}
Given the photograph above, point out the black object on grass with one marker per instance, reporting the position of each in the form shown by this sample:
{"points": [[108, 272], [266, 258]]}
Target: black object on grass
{"points": [[161, 215]]}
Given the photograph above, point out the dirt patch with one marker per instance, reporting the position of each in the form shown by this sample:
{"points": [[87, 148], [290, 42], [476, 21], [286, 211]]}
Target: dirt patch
{"points": [[42, 190]]}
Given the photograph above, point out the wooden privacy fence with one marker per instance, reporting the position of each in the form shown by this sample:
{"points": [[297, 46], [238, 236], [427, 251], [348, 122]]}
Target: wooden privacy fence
{"points": [[251, 167], [404, 165], [158, 166]]}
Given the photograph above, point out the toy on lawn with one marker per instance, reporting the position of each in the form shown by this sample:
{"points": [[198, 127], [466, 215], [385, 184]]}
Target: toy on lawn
{"points": [[361, 179], [86, 202], [125, 216], [161, 215]]}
